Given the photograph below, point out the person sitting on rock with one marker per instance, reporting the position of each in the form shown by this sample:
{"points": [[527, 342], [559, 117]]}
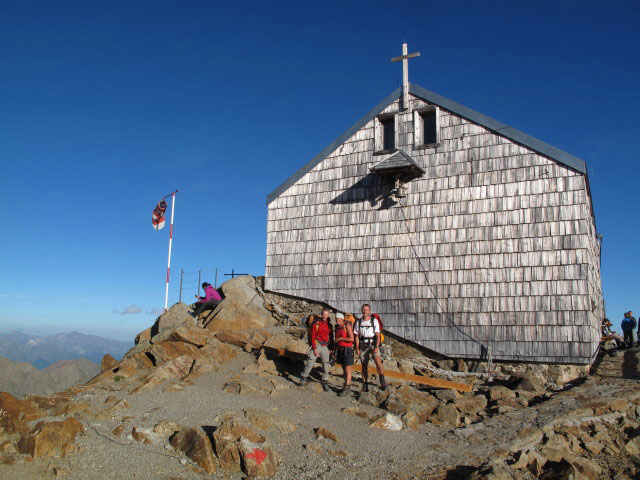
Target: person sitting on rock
{"points": [[607, 332], [210, 300], [367, 335], [344, 349], [321, 338]]}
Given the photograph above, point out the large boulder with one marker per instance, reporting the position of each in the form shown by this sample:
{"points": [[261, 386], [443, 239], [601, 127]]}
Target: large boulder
{"points": [[177, 368], [532, 382], [406, 399], [107, 363], [192, 335], [177, 316], [446, 415], [167, 350], [258, 460], [227, 438], [242, 307], [195, 444], [284, 341], [16, 413], [471, 405], [51, 439]]}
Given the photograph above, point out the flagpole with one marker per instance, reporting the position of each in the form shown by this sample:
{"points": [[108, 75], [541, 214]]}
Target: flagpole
{"points": [[173, 205]]}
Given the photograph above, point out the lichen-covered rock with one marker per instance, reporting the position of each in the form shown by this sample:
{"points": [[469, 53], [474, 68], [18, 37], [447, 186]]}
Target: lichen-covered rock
{"points": [[287, 342], [195, 444], [107, 363], [227, 439], [388, 421], [175, 369], [16, 413], [242, 307], [532, 382], [406, 399], [258, 460], [446, 415], [323, 432], [143, 337], [500, 393], [176, 316], [51, 439], [470, 405]]}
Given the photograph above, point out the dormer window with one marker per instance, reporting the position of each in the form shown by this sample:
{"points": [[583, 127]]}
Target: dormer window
{"points": [[385, 133], [426, 127]]}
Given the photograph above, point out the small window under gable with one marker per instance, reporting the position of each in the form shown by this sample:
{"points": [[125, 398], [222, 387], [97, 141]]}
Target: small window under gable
{"points": [[385, 133], [426, 127]]}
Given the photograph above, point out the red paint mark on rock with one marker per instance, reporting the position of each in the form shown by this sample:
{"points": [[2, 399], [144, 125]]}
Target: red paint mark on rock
{"points": [[258, 455]]}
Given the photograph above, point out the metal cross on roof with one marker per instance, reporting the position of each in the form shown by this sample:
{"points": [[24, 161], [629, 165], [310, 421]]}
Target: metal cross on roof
{"points": [[405, 73]]}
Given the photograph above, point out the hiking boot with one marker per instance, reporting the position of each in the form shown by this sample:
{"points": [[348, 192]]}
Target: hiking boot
{"points": [[365, 387], [345, 391], [325, 387], [383, 384], [303, 381]]}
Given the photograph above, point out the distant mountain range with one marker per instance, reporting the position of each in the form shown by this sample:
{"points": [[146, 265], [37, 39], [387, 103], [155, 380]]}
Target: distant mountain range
{"points": [[21, 378], [43, 351]]}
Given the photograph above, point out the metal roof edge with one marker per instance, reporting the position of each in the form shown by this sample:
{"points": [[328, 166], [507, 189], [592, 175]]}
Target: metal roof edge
{"points": [[334, 145], [500, 128]]}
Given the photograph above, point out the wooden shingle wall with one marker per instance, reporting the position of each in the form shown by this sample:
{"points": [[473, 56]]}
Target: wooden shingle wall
{"points": [[493, 248]]}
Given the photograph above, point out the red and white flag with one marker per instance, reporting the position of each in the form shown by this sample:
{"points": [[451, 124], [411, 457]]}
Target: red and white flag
{"points": [[157, 219]]}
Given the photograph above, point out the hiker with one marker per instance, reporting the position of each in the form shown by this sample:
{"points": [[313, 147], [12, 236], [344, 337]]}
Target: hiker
{"points": [[344, 349], [628, 325], [368, 335], [633, 320], [607, 332], [321, 339], [210, 300]]}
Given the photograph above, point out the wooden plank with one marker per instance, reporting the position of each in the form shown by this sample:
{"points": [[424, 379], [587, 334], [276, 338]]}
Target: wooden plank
{"points": [[432, 382]]}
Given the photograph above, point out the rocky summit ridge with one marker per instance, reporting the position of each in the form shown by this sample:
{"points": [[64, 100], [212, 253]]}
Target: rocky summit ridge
{"points": [[214, 398]]}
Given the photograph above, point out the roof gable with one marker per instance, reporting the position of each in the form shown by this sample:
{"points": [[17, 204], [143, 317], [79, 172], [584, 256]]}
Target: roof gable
{"points": [[499, 128]]}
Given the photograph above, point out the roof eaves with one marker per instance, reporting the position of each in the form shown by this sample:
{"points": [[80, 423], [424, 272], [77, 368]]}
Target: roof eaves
{"points": [[500, 128], [336, 143]]}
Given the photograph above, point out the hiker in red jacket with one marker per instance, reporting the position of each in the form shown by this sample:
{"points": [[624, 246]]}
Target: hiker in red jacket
{"points": [[321, 338]]}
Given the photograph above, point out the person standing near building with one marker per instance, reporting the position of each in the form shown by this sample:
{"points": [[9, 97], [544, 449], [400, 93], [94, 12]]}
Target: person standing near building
{"points": [[628, 325], [344, 349], [634, 322], [321, 338], [368, 336]]}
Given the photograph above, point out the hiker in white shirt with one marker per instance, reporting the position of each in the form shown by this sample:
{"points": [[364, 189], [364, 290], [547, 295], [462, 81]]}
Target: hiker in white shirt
{"points": [[367, 336]]}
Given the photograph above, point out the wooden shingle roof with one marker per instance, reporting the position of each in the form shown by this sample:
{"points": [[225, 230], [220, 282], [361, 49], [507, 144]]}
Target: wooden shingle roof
{"points": [[500, 128]]}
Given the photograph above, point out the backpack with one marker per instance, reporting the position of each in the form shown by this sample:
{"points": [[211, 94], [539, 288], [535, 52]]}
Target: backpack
{"points": [[377, 317]]}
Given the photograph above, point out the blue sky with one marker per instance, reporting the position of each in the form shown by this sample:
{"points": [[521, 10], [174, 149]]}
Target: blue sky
{"points": [[108, 106]]}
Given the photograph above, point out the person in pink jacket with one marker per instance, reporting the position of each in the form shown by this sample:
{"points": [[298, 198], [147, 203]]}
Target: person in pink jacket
{"points": [[210, 300]]}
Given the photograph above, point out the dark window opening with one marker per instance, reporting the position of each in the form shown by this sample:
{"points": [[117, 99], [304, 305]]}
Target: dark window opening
{"points": [[388, 134], [429, 127]]}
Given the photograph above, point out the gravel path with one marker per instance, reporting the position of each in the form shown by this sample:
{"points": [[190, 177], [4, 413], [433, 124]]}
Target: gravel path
{"points": [[379, 454]]}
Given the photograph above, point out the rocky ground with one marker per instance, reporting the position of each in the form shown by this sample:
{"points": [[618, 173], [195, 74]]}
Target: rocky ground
{"points": [[213, 399]]}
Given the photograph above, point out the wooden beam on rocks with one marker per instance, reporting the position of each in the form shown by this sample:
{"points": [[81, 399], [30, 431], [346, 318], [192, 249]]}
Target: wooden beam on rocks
{"points": [[423, 380], [432, 382]]}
